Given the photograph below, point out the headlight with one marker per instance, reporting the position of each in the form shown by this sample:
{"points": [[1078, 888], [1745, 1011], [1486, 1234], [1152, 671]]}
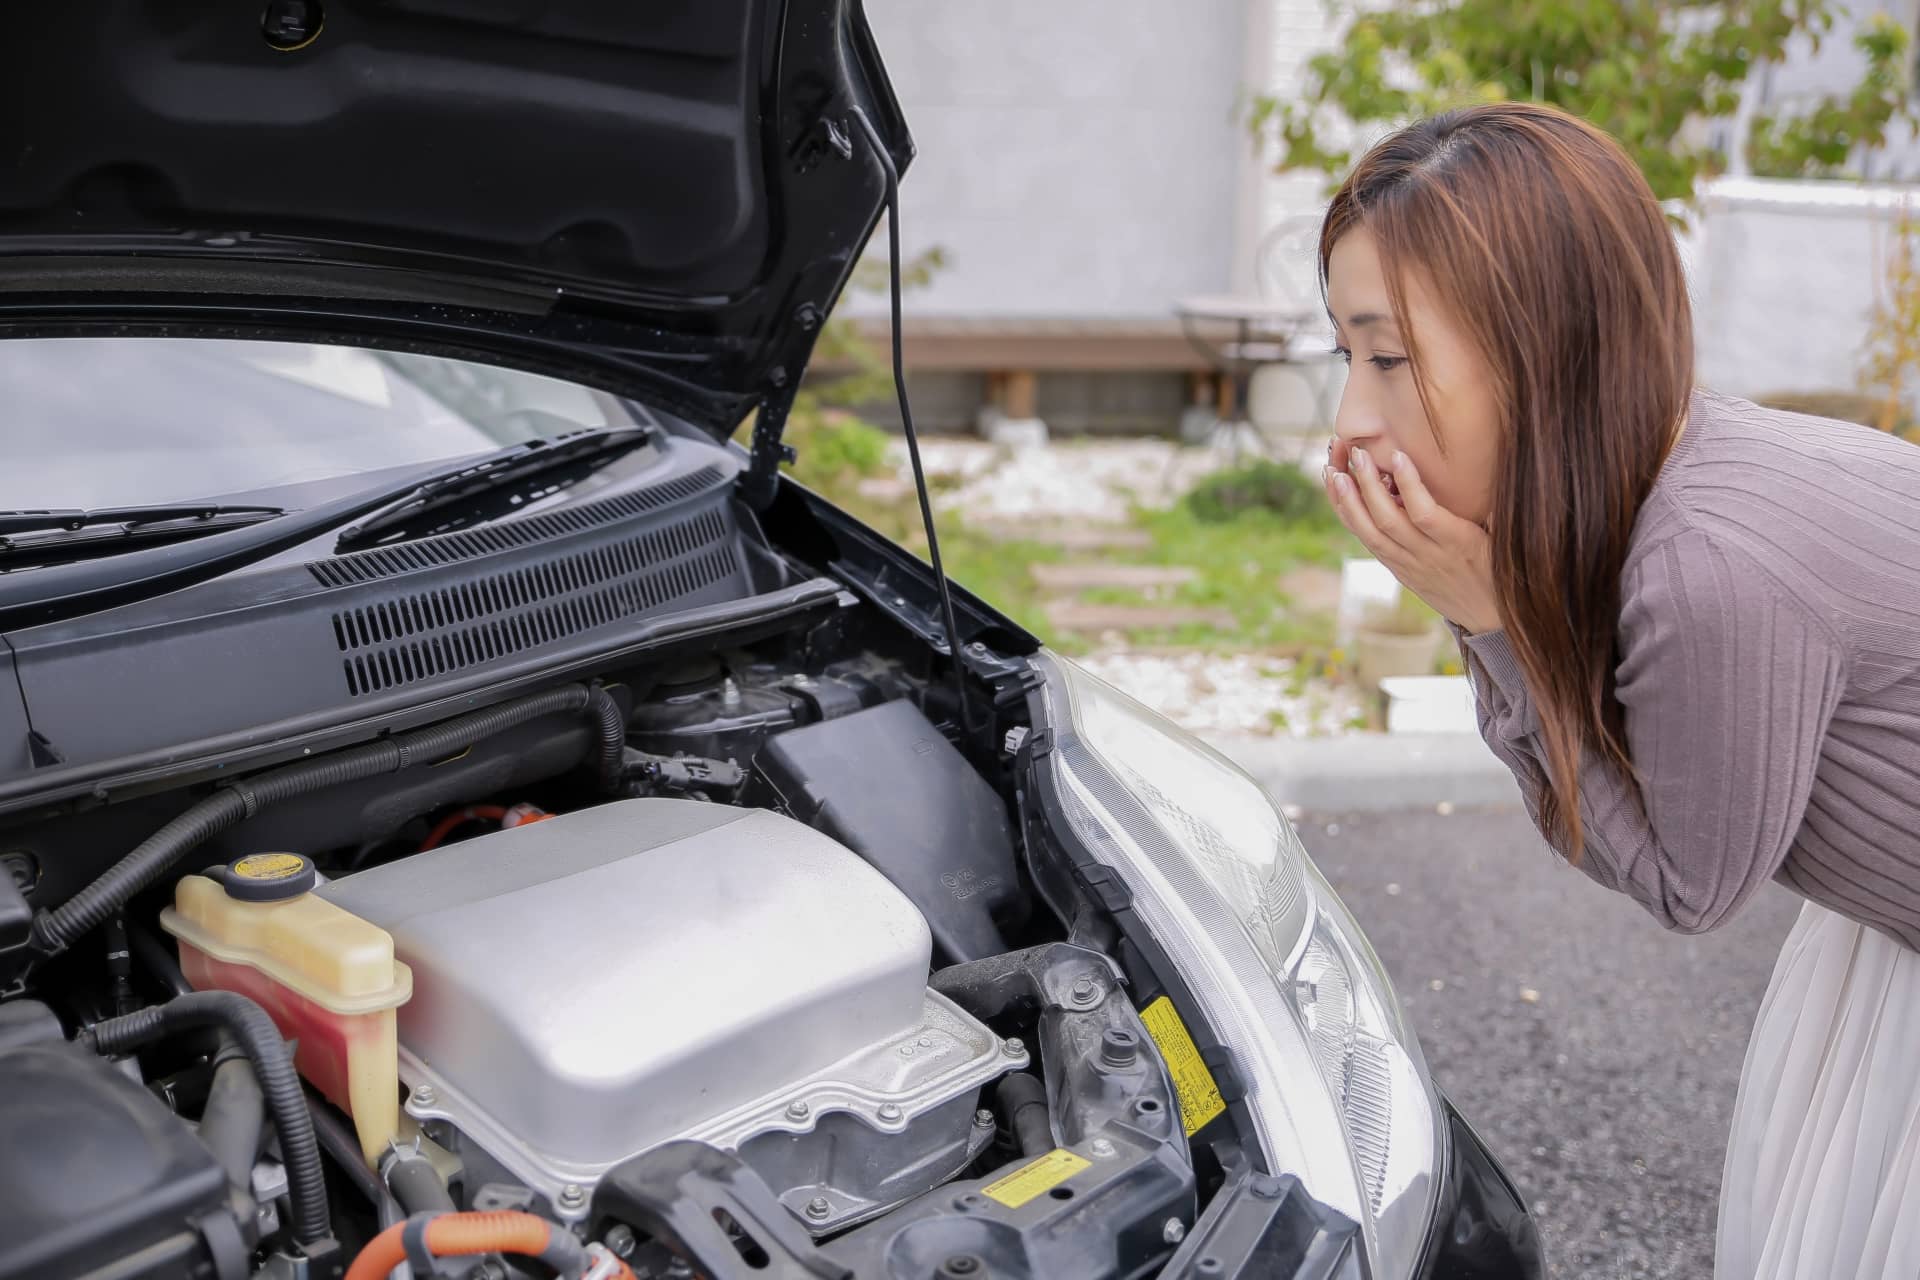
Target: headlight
{"points": [[1338, 1090]]}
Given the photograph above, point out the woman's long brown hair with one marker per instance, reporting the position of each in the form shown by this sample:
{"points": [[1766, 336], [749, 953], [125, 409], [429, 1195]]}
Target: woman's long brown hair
{"points": [[1545, 243]]}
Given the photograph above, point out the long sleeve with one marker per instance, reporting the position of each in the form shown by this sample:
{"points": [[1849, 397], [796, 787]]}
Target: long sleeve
{"points": [[1728, 685]]}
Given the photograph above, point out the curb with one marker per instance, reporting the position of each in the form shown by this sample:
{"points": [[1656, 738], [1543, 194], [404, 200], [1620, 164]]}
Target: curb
{"points": [[1375, 772]]}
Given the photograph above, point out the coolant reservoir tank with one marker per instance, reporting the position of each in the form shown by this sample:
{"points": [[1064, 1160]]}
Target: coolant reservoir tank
{"points": [[326, 976]]}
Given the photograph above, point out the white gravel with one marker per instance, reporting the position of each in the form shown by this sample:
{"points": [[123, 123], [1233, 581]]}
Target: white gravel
{"points": [[1229, 693], [1098, 481]]}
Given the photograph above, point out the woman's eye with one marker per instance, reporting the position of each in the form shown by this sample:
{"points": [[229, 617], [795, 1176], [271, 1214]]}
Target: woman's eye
{"points": [[1346, 356], [1386, 364]]}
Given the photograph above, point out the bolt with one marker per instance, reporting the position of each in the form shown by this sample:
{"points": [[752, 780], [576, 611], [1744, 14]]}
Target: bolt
{"points": [[1174, 1232], [620, 1240], [961, 1266], [798, 1111], [1015, 1047], [1101, 1148], [573, 1196], [889, 1112], [290, 24], [819, 1207], [807, 317], [424, 1096], [1209, 1267], [1085, 991], [984, 1118], [976, 648], [777, 375]]}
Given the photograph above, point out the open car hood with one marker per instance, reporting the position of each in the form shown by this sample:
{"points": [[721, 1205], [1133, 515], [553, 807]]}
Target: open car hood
{"points": [[662, 198]]}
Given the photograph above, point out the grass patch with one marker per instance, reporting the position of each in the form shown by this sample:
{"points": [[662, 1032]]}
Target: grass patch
{"points": [[1240, 531], [1239, 562]]}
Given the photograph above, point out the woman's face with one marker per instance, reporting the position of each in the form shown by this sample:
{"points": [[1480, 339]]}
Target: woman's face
{"points": [[1381, 409]]}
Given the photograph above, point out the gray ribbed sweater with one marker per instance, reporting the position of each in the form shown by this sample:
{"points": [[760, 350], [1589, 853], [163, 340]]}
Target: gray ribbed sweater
{"points": [[1770, 673]]}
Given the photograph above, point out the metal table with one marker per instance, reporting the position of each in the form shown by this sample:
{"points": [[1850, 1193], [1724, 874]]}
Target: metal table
{"points": [[1263, 331]]}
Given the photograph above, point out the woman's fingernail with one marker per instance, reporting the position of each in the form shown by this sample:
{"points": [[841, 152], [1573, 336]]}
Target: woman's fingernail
{"points": [[1356, 460], [1342, 484], [1399, 460]]}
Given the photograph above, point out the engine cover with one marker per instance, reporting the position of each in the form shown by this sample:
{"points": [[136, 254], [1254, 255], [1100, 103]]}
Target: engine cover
{"points": [[592, 985]]}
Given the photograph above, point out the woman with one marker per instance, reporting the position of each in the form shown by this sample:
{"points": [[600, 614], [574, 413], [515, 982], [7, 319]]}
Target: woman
{"points": [[1692, 625]]}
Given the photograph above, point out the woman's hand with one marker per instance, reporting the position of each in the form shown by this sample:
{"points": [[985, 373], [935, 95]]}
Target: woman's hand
{"points": [[1443, 559]]}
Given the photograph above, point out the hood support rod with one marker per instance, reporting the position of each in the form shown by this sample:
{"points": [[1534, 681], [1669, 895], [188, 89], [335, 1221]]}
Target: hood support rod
{"points": [[892, 175]]}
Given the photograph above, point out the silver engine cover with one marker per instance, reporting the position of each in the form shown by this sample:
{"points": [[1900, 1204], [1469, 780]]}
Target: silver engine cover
{"points": [[592, 985]]}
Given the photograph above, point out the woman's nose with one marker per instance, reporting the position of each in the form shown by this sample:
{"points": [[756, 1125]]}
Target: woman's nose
{"points": [[1356, 422]]}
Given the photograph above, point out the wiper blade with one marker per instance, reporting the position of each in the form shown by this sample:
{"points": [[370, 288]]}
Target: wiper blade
{"points": [[492, 473], [32, 535], [60, 591]]}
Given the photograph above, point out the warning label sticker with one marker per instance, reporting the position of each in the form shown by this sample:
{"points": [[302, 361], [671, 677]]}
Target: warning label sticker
{"points": [[1035, 1179], [1200, 1099]]}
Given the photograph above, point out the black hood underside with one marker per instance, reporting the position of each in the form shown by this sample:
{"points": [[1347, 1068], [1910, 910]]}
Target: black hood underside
{"points": [[662, 199]]}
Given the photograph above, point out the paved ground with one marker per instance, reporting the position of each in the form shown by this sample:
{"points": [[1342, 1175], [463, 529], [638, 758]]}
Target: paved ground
{"points": [[1608, 1093]]}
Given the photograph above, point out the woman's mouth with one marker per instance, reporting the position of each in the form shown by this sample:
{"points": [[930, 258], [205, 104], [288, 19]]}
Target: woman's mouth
{"points": [[1392, 487]]}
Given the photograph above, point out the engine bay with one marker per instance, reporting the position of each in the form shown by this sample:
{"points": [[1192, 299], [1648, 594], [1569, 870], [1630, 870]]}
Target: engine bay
{"points": [[732, 961]]}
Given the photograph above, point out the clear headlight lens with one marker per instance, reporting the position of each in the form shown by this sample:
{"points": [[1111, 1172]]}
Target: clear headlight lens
{"points": [[1338, 1090]]}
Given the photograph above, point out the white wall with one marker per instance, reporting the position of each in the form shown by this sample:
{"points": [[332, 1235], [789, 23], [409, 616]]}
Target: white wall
{"points": [[1075, 157], [1784, 277]]}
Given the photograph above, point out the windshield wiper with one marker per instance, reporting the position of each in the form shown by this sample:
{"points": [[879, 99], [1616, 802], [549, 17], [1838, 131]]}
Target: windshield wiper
{"points": [[58, 591], [37, 535], [493, 473]]}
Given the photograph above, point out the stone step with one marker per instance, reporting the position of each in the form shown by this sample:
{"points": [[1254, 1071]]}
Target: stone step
{"points": [[1087, 577], [1075, 615]]}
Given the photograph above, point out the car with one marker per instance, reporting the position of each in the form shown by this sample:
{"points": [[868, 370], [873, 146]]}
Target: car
{"points": [[466, 811]]}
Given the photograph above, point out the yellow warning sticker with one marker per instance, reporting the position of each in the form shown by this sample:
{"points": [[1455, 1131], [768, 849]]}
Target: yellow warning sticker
{"points": [[1035, 1179], [269, 866], [1200, 1099]]}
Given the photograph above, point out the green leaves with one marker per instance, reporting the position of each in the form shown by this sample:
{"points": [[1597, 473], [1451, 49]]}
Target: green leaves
{"points": [[1816, 141], [1647, 71]]}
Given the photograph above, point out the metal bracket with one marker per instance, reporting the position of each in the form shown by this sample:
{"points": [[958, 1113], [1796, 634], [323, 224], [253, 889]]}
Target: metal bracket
{"points": [[766, 452]]}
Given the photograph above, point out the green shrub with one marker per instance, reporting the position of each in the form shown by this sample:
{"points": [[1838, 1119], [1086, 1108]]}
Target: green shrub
{"points": [[834, 449], [1281, 490]]}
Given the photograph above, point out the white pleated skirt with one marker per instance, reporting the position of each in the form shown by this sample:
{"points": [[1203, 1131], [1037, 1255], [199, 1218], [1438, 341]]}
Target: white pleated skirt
{"points": [[1822, 1180]]}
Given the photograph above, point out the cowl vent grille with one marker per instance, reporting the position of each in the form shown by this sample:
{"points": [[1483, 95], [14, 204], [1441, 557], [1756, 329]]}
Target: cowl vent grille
{"points": [[491, 539], [428, 633]]}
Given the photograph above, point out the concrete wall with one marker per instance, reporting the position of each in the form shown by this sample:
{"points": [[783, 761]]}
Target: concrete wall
{"points": [[1784, 276], [1076, 157]]}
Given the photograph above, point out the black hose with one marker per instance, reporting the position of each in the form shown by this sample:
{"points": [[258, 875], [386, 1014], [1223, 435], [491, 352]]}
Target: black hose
{"points": [[260, 1040], [235, 1113], [416, 1184], [242, 798], [338, 1140], [1024, 1099], [159, 961], [418, 1187], [612, 765]]}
